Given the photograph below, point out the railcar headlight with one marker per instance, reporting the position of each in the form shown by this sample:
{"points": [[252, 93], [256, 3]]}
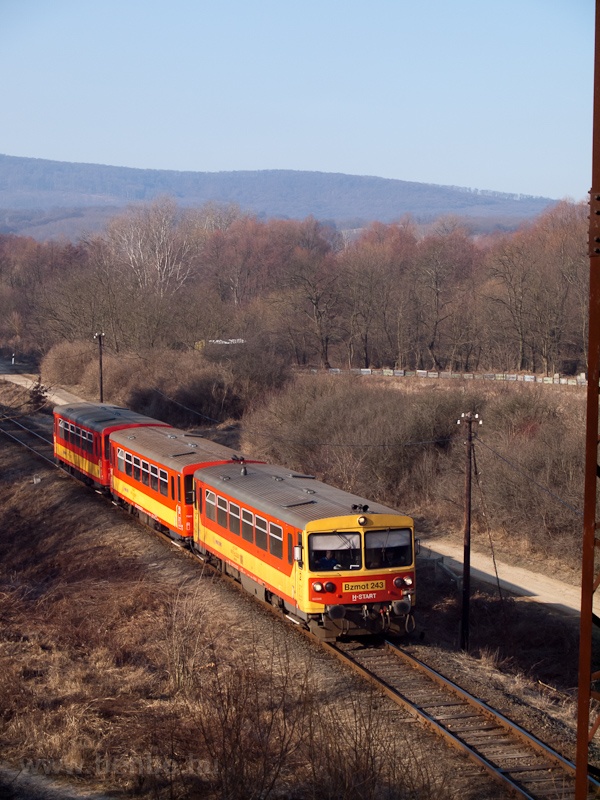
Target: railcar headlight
{"points": [[330, 587], [318, 587], [399, 582], [408, 581]]}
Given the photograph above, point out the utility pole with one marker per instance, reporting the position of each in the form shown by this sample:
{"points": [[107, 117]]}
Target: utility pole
{"points": [[100, 336], [468, 419], [590, 578]]}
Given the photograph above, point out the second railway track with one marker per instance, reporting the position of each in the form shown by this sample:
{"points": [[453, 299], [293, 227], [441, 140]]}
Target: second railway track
{"points": [[27, 434]]}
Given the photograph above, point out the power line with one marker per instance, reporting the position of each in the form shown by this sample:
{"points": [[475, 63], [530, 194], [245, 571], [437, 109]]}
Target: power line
{"points": [[521, 471]]}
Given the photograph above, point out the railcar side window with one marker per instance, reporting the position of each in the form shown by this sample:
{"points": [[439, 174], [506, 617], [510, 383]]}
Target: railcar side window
{"points": [[120, 459], [137, 468], [247, 525], [329, 551], [129, 464], [275, 540], [211, 505], [163, 482], [154, 477], [234, 518], [389, 548], [188, 489], [261, 533], [145, 473], [222, 512]]}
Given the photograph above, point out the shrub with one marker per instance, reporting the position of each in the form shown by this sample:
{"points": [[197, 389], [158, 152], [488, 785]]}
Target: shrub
{"points": [[404, 448], [67, 362]]}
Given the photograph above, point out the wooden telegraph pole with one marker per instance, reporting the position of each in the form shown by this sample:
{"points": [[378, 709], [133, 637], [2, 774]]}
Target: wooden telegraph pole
{"points": [[468, 419], [99, 336], [590, 580]]}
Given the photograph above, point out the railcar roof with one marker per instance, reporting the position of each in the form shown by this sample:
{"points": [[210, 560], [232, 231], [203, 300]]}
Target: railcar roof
{"points": [[100, 416], [283, 493], [171, 446]]}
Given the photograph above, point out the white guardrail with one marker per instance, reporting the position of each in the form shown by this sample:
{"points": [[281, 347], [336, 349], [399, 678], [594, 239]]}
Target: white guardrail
{"points": [[580, 380]]}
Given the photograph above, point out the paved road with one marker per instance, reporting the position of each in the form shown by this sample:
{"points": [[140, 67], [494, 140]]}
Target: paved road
{"points": [[12, 373], [522, 582]]}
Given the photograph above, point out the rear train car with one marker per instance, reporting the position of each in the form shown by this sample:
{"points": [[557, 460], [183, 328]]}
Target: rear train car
{"points": [[81, 438], [153, 474], [333, 562]]}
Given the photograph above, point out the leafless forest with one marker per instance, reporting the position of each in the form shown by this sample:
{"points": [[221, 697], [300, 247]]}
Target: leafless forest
{"points": [[301, 293], [166, 285]]}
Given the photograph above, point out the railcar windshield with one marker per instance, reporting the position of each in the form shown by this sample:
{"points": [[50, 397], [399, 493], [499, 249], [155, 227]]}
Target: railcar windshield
{"points": [[389, 548], [329, 551]]}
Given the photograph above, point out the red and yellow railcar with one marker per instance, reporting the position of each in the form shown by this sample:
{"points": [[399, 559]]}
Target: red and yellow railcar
{"points": [[333, 562], [153, 474], [81, 438]]}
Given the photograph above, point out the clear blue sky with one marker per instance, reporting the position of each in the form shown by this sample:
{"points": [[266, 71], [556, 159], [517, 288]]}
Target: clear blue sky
{"points": [[487, 94]]}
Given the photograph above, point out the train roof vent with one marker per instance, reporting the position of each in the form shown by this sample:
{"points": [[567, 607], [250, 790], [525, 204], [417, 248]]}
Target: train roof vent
{"points": [[292, 475], [277, 477], [300, 503], [171, 436], [309, 491]]}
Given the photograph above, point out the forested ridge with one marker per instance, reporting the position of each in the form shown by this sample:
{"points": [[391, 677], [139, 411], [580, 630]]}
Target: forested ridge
{"points": [[47, 199], [299, 293]]}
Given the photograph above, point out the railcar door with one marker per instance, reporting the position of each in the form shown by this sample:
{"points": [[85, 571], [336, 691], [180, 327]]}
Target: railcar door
{"points": [[300, 568]]}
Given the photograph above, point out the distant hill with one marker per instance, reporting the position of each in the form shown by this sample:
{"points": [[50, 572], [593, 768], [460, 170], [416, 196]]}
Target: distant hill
{"points": [[43, 199]]}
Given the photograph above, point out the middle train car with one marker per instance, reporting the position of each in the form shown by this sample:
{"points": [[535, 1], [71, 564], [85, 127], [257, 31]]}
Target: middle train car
{"points": [[153, 473], [333, 562]]}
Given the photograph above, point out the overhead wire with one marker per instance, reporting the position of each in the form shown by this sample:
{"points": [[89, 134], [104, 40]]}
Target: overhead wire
{"points": [[487, 523], [522, 472], [308, 442]]}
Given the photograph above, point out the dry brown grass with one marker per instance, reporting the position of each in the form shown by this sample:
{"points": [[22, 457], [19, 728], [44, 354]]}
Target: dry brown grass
{"points": [[117, 672]]}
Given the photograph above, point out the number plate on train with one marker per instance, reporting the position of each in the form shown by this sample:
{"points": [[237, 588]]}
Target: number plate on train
{"points": [[363, 586]]}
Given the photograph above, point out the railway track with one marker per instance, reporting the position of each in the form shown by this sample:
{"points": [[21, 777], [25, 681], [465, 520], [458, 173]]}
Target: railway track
{"points": [[512, 756], [29, 436]]}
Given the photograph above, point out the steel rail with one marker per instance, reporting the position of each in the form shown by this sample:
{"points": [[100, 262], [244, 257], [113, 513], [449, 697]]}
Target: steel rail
{"points": [[5, 419], [494, 737]]}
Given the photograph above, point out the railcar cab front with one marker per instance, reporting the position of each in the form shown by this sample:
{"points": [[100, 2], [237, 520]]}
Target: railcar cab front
{"points": [[358, 576]]}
